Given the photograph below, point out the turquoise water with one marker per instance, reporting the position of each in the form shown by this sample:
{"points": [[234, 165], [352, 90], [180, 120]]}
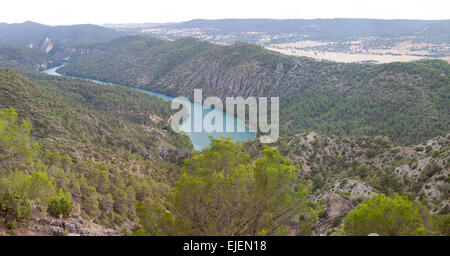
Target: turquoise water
{"points": [[200, 140]]}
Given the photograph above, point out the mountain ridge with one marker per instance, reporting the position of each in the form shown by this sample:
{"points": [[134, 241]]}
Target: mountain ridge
{"points": [[32, 34]]}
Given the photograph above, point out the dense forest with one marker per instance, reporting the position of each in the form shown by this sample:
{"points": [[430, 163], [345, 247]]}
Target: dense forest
{"points": [[95, 143], [22, 58]]}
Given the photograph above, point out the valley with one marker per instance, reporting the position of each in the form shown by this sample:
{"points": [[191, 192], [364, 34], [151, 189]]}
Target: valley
{"points": [[199, 140], [86, 146], [341, 98]]}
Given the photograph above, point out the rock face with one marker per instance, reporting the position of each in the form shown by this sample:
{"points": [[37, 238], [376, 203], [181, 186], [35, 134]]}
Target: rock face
{"points": [[63, 53], [73, 226], [46, 45], [355, 189], [338, 206]]}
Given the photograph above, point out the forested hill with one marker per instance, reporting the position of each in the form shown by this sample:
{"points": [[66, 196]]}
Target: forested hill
{"points": [[356, 168], [34, 46], [407, 102], [106, 146], [66, 108], [22, 58], [31, 33]]}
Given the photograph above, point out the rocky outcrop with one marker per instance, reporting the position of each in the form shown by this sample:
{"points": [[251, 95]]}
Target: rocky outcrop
{"points": [[46, 45], [42, 224], [338, 206], [173, 155], [354, 188], [65, 53], [351, 170], [427, 169]]}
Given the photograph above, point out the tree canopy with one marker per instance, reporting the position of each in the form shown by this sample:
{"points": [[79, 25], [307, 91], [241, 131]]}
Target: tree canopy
{"points": [[222, 192], [385, 216]]}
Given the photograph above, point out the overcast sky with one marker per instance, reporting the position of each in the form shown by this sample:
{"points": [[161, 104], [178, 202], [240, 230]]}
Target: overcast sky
{"points": [[54, 12]]}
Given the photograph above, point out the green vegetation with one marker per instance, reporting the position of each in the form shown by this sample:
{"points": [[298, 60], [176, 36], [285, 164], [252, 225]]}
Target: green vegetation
{"points": [[16, 148], [21, 57], [32, 33], [106, 153], [384, 216], [17, 188], [222, 192], [403, 101], [61, 204], [342, 166], [15, 207], [137, 55], [72, 147], [387, 99]]}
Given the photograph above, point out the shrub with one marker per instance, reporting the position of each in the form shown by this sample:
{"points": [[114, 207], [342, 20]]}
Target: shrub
{"points": [[16, 151], [60, 204], [434, 153], [384, 216], [41, 187], [412, 160], [430, 169], [323, 214], [444, 226], [396, 150], [336, 221], [15, 207], [371, 153]]}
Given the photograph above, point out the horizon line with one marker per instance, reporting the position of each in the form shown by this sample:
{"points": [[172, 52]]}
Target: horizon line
{"points": [[204, 19]]}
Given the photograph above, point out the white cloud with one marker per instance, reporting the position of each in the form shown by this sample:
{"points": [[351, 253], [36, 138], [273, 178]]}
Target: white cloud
{"points": [[107, 11]]}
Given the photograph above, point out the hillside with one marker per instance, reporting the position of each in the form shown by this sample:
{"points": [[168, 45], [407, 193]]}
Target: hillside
{"points": [[346, 171], [143, 59], [24, 58], [106, 146], [407, 102], [33, 46], [33, 34]]}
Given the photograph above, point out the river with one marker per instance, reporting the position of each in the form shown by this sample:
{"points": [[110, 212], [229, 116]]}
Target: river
{"points": [[200, 140]]}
